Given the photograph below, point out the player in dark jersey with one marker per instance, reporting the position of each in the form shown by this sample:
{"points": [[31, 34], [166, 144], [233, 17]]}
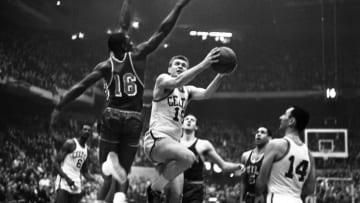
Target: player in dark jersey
{"points": [[194, 187], [121, 121], [253, 160]]}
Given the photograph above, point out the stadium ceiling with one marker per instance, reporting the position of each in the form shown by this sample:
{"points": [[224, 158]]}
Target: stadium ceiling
{"points": [[96, 16]]}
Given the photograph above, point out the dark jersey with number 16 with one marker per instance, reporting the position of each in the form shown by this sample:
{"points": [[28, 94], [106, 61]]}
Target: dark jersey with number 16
{"points": [[124, 89]]}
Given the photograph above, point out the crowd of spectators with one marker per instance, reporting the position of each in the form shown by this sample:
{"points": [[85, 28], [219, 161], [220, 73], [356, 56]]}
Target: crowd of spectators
{"points": [[28, 174], [46, 59], [51, 60]]}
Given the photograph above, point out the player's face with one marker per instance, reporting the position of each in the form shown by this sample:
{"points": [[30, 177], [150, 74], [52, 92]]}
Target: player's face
{"points": [[127, 44], [177, 67], [189, 123], [261, 135], [285, 118], [86, 131]]}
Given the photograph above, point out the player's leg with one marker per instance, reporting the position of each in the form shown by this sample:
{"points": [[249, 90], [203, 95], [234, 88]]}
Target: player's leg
{"points": [[75, 198], [174, 190], [128, 131], [114, 187], [62, 196], [176, 158], [104, 152], [193, 193], [110, 126]]}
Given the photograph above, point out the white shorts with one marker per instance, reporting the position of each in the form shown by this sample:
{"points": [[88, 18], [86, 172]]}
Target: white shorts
{"points": [[150, 139], [280, 198], [60, 183]]}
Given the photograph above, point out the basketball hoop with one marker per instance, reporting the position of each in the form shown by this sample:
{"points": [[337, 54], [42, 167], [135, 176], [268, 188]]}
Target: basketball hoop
{"points": [[325, 154]]}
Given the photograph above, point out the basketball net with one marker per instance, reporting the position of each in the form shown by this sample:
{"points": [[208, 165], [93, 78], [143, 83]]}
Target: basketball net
{"points": [[325, 154]]}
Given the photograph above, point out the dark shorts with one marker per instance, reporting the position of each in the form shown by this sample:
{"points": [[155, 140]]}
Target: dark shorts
{"points": [[250, 198], [65, 196], [193, 193], [120, 132]]}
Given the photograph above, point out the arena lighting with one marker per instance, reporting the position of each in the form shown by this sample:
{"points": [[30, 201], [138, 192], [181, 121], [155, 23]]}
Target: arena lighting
{"points": [[223, 37], [216, 168], [136, 24], [193, 33], [74, 37], [58, 3], [331, 93], [207, 165], [220, 34], [231, 175], [108, 31], [166, 45], [81, 35]]}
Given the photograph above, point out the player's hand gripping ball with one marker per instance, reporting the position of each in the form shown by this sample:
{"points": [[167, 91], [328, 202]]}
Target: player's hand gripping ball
{"points": [[227, 61]]}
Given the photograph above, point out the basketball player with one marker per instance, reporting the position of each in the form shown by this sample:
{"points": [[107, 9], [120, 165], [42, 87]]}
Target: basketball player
{"points": [[121, 121], [70, 163], [162, 145], [288, 168], [193, 189], [252, 160]]}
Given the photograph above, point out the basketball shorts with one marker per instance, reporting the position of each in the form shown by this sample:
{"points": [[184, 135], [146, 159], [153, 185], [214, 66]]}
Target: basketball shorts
{"points": [[193, 193], [280, 198], [120, 132]]}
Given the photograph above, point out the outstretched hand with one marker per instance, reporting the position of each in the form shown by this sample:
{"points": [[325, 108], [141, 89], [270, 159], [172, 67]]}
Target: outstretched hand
{"points": [[71, 183], [241, 170], [213, 56]]}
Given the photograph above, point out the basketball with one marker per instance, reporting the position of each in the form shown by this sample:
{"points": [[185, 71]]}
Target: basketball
{"points": [[227, 61]]}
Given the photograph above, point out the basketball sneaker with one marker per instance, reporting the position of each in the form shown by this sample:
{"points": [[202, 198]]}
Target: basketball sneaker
{"points": [[112, 167], [119, 197]]}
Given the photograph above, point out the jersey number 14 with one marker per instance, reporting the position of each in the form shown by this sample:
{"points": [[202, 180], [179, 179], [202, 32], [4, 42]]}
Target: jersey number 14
{"points": [[300, 169]]}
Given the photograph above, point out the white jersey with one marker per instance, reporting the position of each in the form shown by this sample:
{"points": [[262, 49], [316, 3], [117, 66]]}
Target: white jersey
{"points": [[289, 173], [71, 166], [167, 114]]}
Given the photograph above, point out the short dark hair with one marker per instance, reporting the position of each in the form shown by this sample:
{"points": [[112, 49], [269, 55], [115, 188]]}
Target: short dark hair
{"points": [[194, 117], [116, 40], [269, 132], [182, 57], [301, 116]]}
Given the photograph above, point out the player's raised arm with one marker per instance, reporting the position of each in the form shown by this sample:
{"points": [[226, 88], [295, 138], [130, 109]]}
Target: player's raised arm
{"points": [[80, 87], [125, 15], [198, 93], [165, 81], [163, 31]]}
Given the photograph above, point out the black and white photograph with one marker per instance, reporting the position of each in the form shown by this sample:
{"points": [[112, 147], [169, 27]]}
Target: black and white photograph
{"points": [[179, 101]]}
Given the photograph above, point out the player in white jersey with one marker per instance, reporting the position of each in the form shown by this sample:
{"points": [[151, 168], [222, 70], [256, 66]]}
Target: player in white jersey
{"points": [[288, 168], [70, 163], [170, 98]]}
